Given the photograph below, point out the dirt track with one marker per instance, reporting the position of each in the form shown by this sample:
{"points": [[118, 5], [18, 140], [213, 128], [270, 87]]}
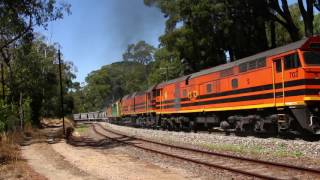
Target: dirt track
{"points": [[63, 161]]}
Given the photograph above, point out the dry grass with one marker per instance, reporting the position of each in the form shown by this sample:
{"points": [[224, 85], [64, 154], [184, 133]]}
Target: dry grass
{"points": [[12, 165], [9, 150], [9, 153]]}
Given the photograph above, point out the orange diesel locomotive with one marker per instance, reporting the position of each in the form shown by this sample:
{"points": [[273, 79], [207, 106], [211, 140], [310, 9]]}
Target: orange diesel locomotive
{"points": [[276, 90]]}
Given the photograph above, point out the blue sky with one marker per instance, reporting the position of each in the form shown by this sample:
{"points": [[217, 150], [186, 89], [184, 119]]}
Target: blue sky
{"points": [[98, 31]]}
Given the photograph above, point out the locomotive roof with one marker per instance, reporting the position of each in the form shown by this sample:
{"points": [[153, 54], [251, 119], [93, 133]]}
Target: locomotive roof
{"points": [[150, 88], [139, 93], [126, 96], [174, 80], [271, 52], [129, 95]]}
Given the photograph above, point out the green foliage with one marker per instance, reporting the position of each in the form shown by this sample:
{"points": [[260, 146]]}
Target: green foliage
{"points": [[17, 18], [140, 52], [30, 76], [282, 36], [26, 110], [4, 112], [201, 32], [110, 83], [165, 67], [35, 77], [8, 116], [316, 24]]}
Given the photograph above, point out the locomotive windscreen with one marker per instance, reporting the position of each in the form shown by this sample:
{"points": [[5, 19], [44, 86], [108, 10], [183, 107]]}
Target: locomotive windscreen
{"points": [[312, 58]]}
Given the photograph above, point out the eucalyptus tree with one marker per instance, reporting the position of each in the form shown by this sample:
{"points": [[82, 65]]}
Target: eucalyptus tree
{"points": [[203, 32]]}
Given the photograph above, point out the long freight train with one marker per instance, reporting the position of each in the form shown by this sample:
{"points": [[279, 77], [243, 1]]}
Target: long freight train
{"points": [[273, 91]]}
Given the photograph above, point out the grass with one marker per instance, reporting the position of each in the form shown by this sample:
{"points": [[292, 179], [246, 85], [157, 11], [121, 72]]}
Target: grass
{"points": [[12, 165], [9, 149], [81, 128], [279, 151]]}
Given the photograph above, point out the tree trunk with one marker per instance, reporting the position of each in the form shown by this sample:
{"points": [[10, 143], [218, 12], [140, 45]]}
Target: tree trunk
{"points": [[293, 32], [3, 83], [231, 54], [273, 34], [21, 112], [286, 19], [307, 16]]}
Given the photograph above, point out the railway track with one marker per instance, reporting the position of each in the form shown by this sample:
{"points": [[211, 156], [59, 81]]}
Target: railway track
{"points": [[241, 165]]}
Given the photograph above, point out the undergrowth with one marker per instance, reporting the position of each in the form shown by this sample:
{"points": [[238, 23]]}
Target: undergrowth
{"points": [[9, 148], [81, 128]]}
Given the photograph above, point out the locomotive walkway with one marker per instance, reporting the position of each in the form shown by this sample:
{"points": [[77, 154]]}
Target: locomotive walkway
{"points": [[245, 166]]}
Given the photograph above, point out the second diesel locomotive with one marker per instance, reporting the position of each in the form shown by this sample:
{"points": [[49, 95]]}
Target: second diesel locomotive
{"points": [[272, 91]]}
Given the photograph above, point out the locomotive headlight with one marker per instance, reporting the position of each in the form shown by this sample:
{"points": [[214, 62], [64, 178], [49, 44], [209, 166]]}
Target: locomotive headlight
{"points": [[316, 109]]}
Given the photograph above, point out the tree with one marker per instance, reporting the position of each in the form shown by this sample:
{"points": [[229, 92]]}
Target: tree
{"points": [[282, 15], [110, 83], [202, 32], [165, 67], [18, 17], [307, 16], [30, 74], [281, 35], [140, 52], [316, 24], [36, 77], [210, 28]]}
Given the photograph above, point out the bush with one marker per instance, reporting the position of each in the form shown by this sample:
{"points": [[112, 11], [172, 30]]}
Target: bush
{"points": [[4, 113], [27, 111], [8, 117]]}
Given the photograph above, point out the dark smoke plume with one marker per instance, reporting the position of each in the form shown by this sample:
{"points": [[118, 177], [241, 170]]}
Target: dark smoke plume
{"points": [[134, 21]]}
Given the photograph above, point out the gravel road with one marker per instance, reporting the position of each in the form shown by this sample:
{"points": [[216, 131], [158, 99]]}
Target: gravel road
{"points": [[64, 161]]}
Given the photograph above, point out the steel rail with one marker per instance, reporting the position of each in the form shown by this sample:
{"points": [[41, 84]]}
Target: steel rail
{"points": [[283, 165], [251, 174]]}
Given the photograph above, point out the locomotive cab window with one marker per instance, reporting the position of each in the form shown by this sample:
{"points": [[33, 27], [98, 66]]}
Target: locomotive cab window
{"points": [[209, 88], [184, 93], [278, 65], [243, 67], [314, 46], [291, 61], [312, 58], [252, 65], [234, 83], [261, 62]]}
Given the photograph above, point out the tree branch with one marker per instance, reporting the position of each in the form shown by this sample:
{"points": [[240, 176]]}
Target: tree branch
{"points": [[302, 9], [18, 36]]}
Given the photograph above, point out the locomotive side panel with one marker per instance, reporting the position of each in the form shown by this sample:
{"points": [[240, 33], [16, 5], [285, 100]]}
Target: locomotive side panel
{"points": [[140, 103]]}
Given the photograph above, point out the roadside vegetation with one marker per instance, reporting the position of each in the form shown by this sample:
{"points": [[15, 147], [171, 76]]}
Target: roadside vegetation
{"points": [[29, 78], [198, 35], [81, 128]]}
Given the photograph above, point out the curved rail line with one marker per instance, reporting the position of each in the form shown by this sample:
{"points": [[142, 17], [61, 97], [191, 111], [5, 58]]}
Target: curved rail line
{"points": [[314, 172]]}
